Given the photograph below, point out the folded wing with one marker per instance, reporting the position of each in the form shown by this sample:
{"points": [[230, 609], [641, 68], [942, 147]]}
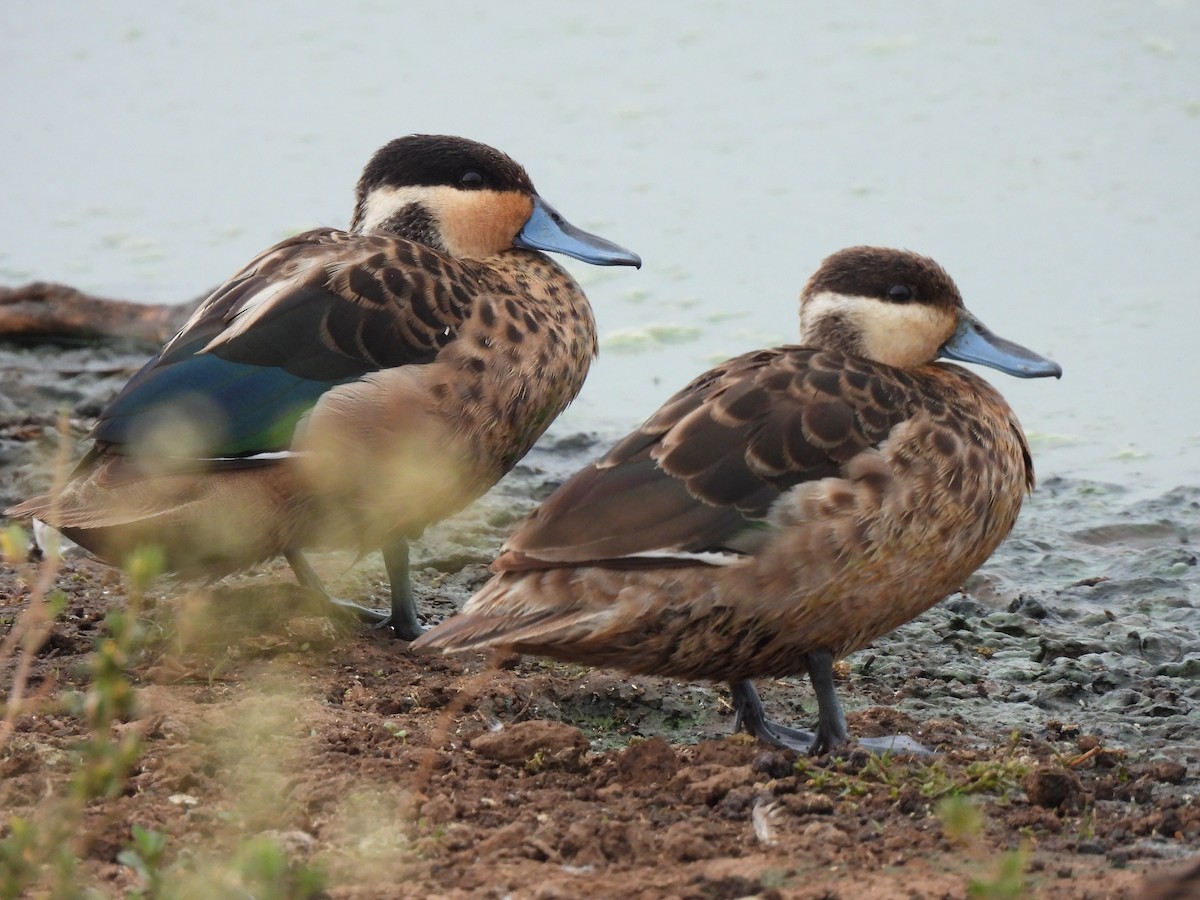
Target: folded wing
{"points": [[321, 309], [696, 482]]}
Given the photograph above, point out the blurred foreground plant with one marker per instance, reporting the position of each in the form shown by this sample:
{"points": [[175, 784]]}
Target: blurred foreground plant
{"points": [[43, 848], [40, 852]]}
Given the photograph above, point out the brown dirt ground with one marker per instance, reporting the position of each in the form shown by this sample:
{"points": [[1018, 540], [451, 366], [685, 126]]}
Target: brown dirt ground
{"points": [[406, 776]]}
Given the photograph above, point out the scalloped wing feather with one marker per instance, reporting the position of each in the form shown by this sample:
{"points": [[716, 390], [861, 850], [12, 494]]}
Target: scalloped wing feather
{"points": [[321, 309], [703, 473]]}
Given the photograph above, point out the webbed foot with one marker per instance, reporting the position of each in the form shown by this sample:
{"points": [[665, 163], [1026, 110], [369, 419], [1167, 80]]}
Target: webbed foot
{"points": [[308, 577], [831, 733]]}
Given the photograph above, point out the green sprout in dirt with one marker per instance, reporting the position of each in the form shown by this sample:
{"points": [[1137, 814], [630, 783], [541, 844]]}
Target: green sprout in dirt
{"points": [[13, 544], [895, 777], [258, 868], [962, 823], [962, 819], [536, 763], [145, 856], [1008, 882], [108, 758]]}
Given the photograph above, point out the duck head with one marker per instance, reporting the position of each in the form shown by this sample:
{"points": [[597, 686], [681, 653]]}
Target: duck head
{"points": [[902, 309], [468, 200]]}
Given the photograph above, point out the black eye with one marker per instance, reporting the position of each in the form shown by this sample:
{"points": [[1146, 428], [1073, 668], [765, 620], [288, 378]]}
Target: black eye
{"points": [[471, 179], [899, 293]]}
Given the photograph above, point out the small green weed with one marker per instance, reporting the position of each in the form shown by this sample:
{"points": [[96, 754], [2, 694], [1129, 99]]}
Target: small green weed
{"points": [[1008, 882], [962, 819], [145, 856]]}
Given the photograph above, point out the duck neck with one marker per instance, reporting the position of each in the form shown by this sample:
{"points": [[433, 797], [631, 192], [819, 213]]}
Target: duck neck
{"points": [[523, 356]]}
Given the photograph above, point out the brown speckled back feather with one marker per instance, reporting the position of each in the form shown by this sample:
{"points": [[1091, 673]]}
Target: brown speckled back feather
{"points": [[356, 301], [713, 461]]}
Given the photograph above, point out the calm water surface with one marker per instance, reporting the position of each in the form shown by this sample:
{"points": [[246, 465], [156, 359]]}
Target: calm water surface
{"points": [[1047, 154]]}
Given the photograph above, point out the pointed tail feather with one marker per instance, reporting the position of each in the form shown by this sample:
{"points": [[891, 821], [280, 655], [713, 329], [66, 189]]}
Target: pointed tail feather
{"points": [[548, 634], [466, 632], [34, 508]]}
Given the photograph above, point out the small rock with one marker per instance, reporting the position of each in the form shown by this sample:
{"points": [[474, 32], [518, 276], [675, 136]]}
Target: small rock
{"points": [[649, 762], [808, 804], [439, 810], [1088, 742], [687, 842], [827, 834], [776, 764], [1053, 787], [552, 744], [739, 800], [318, 632], [709, 791], [508, 837], [1168, 771], [1027, 606], [170, 728]]}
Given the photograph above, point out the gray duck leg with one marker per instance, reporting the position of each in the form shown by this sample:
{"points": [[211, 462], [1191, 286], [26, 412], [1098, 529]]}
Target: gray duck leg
{"points": [[831, 732], [403, 618], [752, 719], [308, 578]]}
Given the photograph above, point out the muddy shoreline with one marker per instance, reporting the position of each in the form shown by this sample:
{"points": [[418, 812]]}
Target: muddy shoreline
{"points": [[1081, 635]]}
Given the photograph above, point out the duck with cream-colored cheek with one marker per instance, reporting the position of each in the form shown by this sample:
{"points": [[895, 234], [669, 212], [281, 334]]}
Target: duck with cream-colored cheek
{"points": [[785, 508], [348, 388]]}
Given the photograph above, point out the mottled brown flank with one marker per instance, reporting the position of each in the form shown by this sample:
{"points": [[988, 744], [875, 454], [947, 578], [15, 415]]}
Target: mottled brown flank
{"points": [[531, 373], [515, 377], [884, 489], [778, 415], [945, 443]]}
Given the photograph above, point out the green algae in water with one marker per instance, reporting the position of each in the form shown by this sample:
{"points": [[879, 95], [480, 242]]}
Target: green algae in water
{"points": [[1045, 439], [649, 337]]}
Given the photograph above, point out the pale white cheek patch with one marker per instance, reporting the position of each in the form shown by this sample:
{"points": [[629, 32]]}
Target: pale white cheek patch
{"points": [[898, 334], [382, 203]]}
